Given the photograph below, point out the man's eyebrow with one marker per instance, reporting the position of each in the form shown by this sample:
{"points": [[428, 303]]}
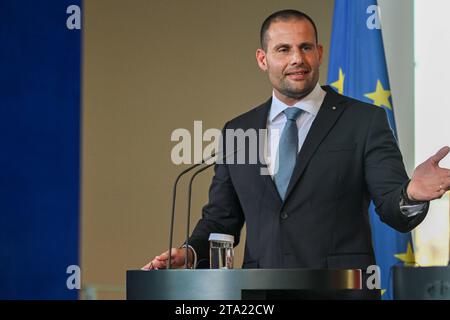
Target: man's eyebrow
{"points": [[281, 45], [286, 45]]}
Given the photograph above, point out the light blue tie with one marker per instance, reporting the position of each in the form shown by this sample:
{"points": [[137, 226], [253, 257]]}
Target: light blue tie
{"points": [[287, 151]]}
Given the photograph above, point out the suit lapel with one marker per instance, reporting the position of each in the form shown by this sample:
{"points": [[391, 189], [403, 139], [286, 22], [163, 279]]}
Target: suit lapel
{"points": [[260, 122], [327, 116]]}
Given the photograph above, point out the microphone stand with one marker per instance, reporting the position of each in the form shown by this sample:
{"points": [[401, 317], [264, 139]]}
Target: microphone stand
{"points": [[223, 157], [174, 195], [189, 211]]}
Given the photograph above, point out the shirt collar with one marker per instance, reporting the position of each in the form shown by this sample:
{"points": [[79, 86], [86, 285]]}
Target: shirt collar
{"points": [[311, 103]]}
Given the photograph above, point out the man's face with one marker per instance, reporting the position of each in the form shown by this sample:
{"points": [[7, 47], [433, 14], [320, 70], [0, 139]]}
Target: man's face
{"points": [[292, 59]]}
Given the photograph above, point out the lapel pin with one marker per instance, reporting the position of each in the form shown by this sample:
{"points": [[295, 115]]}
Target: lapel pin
{"points": [[334, 108]]}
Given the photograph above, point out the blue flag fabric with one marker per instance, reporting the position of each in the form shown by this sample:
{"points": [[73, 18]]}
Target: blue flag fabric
{"points": [[357, 68]]}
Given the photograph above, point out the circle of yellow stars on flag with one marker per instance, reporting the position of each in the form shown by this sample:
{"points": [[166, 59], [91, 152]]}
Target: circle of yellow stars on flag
{"points": [[380, 96]]}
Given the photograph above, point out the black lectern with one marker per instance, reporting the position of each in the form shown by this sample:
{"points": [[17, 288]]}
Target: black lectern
{"points": [[421, 283], [237, 284]]}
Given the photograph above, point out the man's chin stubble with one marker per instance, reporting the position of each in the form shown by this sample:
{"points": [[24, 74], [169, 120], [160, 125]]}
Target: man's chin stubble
{"points": [[296, 94]]}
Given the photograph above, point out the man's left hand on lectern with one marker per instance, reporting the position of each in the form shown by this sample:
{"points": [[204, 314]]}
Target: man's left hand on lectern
{"points": [[178, 256]]}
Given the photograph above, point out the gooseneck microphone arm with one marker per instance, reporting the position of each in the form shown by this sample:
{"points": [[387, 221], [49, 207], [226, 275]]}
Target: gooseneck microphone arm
{"points": [[189, 211], [221, 158], [174, 196]]}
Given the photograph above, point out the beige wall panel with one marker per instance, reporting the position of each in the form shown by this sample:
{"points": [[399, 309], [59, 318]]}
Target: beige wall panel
{"points": [[151, 67]]}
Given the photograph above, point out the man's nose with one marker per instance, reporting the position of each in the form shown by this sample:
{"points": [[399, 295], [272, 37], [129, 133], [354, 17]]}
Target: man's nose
{"points": [[297, 57]]}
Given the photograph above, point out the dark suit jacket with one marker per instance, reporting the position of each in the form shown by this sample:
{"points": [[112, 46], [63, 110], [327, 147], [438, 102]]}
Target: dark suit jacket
{"points": [[349, 157]]}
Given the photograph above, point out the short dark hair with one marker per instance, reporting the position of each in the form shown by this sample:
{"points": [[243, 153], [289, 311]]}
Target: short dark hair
{"points": [[283, 15]]}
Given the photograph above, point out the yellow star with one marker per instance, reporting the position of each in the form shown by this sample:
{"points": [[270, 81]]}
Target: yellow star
{"points": [[339, 85], [380, 97], [383, 291], [407, 257]]}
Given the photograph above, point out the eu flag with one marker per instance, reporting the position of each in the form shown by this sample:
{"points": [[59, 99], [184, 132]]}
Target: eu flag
{"points": [[357, 68]]}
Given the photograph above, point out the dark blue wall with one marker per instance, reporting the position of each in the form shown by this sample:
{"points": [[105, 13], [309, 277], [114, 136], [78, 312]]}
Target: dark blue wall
{"points": [[39, 148]]}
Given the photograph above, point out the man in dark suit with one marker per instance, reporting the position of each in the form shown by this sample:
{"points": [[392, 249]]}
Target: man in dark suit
{"points": [[334, 154]]}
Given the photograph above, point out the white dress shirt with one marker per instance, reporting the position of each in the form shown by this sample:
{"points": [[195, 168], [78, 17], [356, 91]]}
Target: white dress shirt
{"points": [[310, 106]]}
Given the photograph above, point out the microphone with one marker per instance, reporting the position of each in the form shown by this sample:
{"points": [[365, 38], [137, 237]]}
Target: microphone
{"points": [[186, 244], [174, 195]]}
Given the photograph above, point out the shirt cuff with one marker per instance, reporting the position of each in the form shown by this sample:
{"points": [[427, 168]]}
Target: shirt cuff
{"points": [[194, 265], [411, 210]]}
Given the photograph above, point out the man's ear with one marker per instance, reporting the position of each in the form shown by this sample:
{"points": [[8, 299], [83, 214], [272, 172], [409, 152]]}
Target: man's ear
{"points": [[320, 51], [261, 59]]}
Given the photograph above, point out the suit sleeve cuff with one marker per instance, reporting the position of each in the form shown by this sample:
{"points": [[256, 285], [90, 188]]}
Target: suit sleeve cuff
{"points": [[408, 207]]}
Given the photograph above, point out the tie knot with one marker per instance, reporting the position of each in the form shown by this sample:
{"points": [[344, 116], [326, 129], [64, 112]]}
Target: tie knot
{"points": [[292, 113]]}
